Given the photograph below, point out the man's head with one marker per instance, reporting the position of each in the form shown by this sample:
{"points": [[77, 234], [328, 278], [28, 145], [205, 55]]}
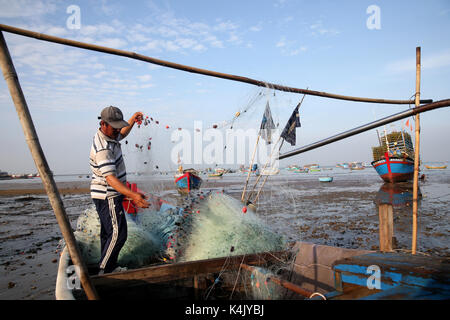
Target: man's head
{"points": [[112, 121]]}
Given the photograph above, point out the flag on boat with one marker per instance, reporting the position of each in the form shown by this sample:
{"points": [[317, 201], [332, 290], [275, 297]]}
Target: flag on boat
{"points": [[267, 125], [288, 133]]}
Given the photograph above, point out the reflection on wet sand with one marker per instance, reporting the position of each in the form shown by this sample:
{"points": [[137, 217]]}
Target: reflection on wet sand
{"points": [[390, 196], [396, 194]]}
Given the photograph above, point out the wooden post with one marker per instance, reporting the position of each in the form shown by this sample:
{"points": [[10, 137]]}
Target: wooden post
{"points": [[386, 227], [416, 155], [45, 173]]}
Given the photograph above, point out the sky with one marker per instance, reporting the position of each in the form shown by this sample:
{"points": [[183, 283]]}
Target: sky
{"points": [[357, 48]]}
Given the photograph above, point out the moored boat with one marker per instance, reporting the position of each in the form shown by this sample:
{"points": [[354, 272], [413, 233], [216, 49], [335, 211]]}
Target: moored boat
{"points": [[325, 179], [187, 180], [436, 167], [394, 158]]}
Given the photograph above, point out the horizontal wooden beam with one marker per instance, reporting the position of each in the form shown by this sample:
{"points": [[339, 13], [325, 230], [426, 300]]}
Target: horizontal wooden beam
{"points": [[175, 271], [136, 56]]}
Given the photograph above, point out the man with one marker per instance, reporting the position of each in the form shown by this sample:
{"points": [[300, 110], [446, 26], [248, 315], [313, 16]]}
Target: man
{"points": [[108, 185]]}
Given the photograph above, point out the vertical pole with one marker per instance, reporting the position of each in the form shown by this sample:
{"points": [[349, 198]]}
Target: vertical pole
{"points": [[416, 155], [250, 169], [386, 227], [10, 75]]}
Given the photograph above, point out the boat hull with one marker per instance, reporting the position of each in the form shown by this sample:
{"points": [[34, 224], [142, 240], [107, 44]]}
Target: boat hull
{"points": [[187, 182], [395, 169], [436, 168]]}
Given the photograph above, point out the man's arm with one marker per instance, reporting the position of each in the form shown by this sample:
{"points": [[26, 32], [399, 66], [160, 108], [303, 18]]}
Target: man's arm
{"points": [[138, 116], [138, 198]]}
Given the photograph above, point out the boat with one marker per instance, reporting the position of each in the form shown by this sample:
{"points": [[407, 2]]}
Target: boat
{"points": [[270, 171], [187, 180], [215, 175], [316, 272], [436, 167], [394, 158], [5, 175], [325, 179], [301, 170], [314, 169]]}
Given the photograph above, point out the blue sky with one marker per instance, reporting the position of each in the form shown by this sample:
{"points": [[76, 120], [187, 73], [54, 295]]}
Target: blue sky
{"points": [[322, 45]]}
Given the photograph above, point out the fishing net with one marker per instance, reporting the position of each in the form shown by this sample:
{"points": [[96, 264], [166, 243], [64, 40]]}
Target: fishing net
{"points": [[208, 225], [214, 225]]}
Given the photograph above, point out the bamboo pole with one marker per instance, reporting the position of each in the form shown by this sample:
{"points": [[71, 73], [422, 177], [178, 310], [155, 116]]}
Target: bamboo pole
{"points": [[42, 166], [416, 154], [133, 55], [283, 283], [368, 126], [250, 169]]}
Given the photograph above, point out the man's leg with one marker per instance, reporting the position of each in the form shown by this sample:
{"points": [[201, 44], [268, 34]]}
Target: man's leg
{"points": [[113, 231]]}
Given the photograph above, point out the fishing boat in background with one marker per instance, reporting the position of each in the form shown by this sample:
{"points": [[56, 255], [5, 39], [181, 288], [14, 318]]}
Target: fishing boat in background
{"points": [[356, 166], [301, 170], [394, 157], [5, 175], [187, 180], [326, 179], [215, 175], [270, 171], [436, 167]]}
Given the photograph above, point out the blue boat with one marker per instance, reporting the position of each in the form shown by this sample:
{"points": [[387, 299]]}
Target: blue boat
{"points": [[394, 158], [394, 169], [187, 181], [326, 179]]}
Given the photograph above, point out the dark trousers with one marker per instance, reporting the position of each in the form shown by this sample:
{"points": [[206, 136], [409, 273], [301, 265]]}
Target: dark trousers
{"points": [[113, 232]]}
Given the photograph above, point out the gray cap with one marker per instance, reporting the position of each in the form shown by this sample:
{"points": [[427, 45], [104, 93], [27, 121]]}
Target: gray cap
{"points": [[114, 117]]}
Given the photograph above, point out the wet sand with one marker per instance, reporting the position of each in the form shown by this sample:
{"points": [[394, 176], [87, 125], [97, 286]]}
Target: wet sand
{"points": [[341, 213]]}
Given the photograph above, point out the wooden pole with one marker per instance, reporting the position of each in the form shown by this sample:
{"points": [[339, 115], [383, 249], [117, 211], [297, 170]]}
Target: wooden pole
{"points": [[386, 227], [283, 283], [133, 55], [416, 154], [45, 173], [367, 127], [250, 169]]}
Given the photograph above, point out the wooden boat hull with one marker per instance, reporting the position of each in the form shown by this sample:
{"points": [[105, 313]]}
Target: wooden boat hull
{"points": [[317, 272], [436, 167], [395, 169], [187, 182]]}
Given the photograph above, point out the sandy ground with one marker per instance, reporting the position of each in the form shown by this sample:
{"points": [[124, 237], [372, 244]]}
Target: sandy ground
{"points": [[342, 213]]}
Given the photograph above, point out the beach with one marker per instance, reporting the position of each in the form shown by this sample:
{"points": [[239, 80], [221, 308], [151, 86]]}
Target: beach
{"points": [[341, 213]]}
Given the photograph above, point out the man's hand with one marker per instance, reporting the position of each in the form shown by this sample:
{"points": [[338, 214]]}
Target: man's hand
{"points": [[136, 197], [137, 116], [139, 200]]}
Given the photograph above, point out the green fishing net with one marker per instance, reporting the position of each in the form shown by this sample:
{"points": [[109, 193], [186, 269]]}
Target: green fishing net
{"points": [[206, 225]]}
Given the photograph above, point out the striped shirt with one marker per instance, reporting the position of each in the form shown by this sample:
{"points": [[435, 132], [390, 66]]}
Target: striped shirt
{"points": [[106, 159]]}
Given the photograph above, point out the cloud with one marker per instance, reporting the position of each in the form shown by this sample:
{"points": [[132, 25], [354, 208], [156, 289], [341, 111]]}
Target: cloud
{"points": [[319, 29], [290, 47], [25, 8], [433, 61]]}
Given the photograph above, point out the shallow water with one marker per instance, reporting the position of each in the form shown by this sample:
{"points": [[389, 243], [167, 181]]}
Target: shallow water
{"points": [[296, 205]]}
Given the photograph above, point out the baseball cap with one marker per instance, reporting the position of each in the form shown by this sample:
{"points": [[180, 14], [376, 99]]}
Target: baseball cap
{"points": [[114, 117]]}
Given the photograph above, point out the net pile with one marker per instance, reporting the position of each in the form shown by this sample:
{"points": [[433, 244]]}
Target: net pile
{"points": [[207, 225], [398, 143]]}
